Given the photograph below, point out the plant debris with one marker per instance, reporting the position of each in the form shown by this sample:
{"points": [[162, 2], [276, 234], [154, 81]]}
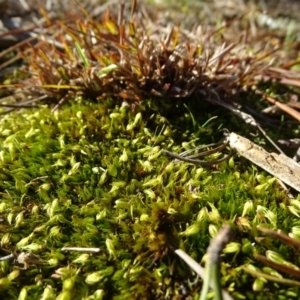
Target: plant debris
{"points": [[279, 165]]}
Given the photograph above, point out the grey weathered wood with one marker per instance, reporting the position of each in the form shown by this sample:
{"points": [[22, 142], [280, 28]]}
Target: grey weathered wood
{"points": [[279, 165]]}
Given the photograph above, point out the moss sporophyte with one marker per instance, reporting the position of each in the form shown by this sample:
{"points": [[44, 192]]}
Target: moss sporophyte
{"points": [[120, 162]]}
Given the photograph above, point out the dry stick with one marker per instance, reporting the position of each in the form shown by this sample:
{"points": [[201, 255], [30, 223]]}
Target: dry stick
{"points": [[197, 162], [81, 249], [279, 165], [277, 266], [7, 257], [204, 153], [198, 270], [10, 98], [286, 108], [17, 105], [280, 236], [6, 111], [15, 46], [247, 118], [60, 103], [294, 82], [212, 266], [190, 159]]}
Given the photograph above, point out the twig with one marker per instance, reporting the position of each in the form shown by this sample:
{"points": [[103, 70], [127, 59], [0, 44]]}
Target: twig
{"points": [[279, 165], [277, 266], [280, 236], [247, 118], [286, 108], [7, 257], [198, 269], [190, 159], [79, 249], [18, 105]]}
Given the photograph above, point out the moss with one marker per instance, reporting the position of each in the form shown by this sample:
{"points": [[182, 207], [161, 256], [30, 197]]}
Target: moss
{"points": [[94, 175]]}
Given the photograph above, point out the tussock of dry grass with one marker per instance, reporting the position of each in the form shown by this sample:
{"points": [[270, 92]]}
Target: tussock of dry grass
{"points": [[128, 54]]}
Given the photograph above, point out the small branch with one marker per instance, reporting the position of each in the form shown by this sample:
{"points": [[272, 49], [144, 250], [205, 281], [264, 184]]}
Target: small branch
{"points": [[198, 269], [280, 236], [279, 165], [79, 249], [191, 158], [7, 257]]}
